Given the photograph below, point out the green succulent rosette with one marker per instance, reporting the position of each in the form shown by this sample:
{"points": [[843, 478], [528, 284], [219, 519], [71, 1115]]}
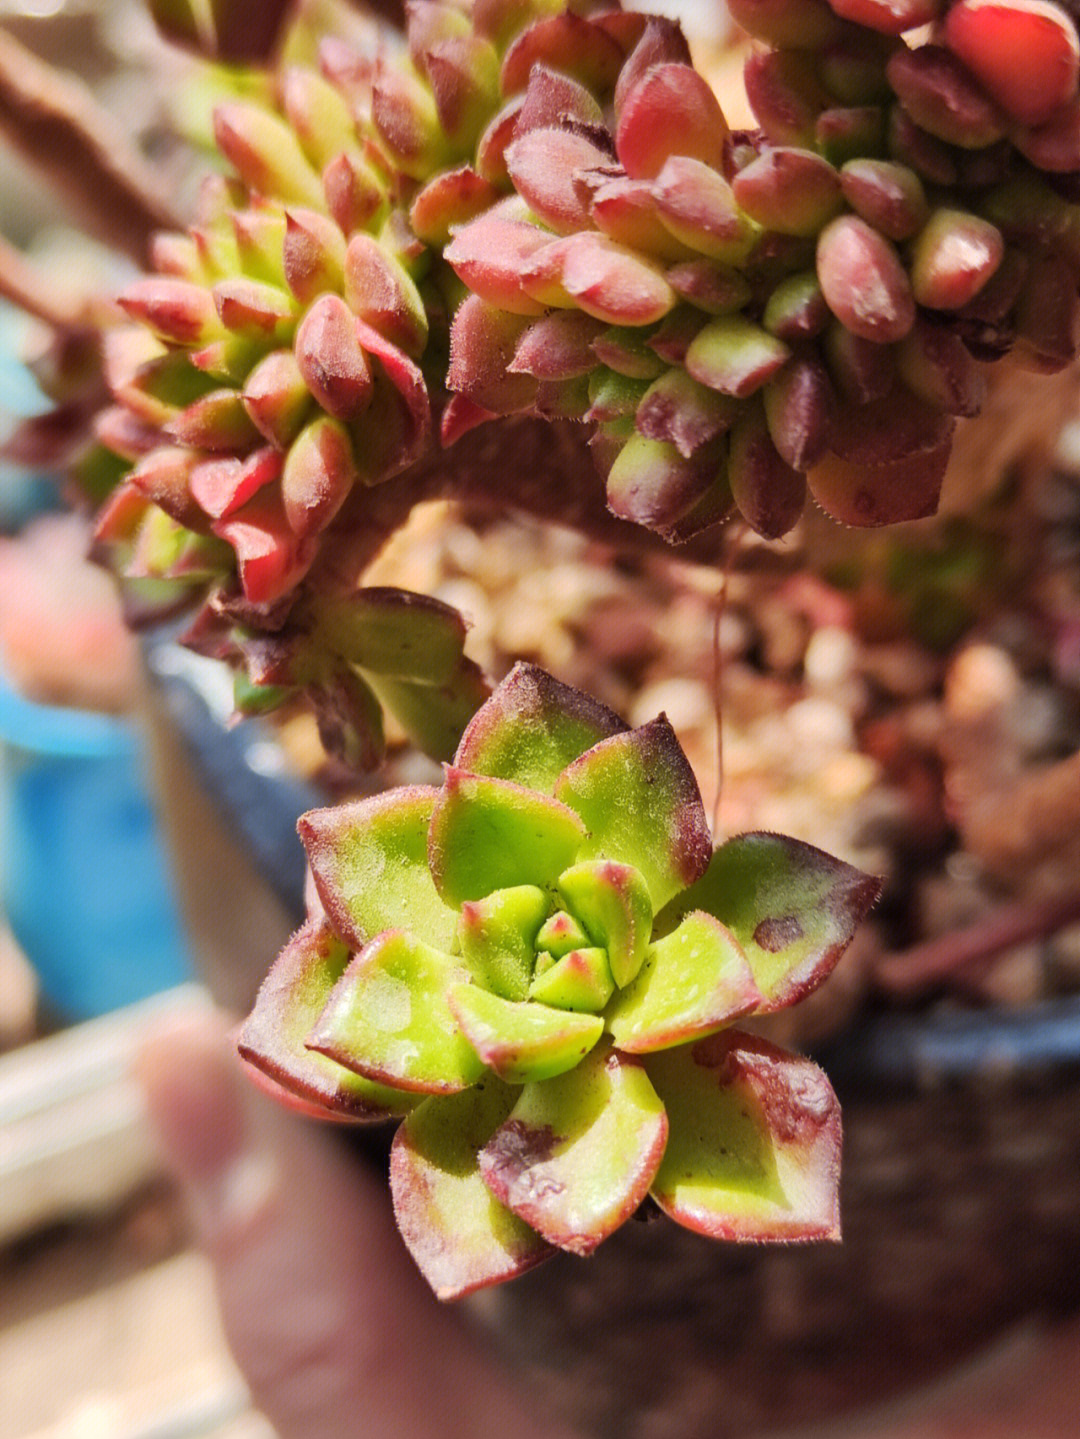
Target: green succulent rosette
{"points": [[537, 968]]}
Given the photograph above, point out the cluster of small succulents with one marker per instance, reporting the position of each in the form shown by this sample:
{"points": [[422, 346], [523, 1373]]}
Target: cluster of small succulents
{"points": [[740, 312], [537, 969], [542, 209]]}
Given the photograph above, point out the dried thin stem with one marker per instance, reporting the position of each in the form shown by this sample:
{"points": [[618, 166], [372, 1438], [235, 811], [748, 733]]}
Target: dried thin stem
{"points": [[58, 126], [36, 294], [733, 537], [925, 965]]}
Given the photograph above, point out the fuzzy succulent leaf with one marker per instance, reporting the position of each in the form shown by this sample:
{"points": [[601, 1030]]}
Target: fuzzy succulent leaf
{"points": [[388, 1018], [491, 834], [522, 1042], [791, 908], [753, 1149], [458, 1233], [272, 1039], [640, 805], [692, 982], [577, 1154], [369, 862], [531, 728]]}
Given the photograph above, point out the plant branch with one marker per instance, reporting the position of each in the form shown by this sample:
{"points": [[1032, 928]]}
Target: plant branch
{"points": [[35, 293], [57, 125], [914, 970]]}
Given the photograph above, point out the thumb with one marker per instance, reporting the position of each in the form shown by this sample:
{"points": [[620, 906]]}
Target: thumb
{"points": [[334, 1330]]}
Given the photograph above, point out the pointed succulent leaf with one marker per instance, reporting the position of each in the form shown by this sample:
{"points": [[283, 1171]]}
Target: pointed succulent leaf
{"points": [[260, 236], [710, 286], [606, 280], [546, 167], [612, 902], [789, 190], [355, 194], [866, 496], [1025, 53], [565, 42], [433, 715], [557, 346], [448, 201], [531, 728], [491, 834], [770, 494], [661, 42], [223, 485], [554, 99], [497, 937], [786, 94], [270, 557], [393, 632], [671, 110], [935, 364], [265, 152], [625, 210], [651, 483], [888, 196], [792, 908], [580, 980], [753, 1151], [697, 205], [943, 97], [953, 257], [522, 1042], [490, 255], [677, 409], [800, 404], [318, 114], [174, 310], [388, 1018], [483, 342], [217, 421], [640, 805], [331, 359], [693, 981], [626, 352], [277, 398], [863, 281], [369, 862], [577, 1154], [383, 294], [735, 356], [349, 718], [290, 1000], [558, 935], [458, 1233], [319, 472]]}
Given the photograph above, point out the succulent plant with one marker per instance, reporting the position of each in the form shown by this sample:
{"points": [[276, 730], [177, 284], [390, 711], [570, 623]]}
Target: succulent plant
{"points": [[742, 313], [537, 968], [533, 208]]}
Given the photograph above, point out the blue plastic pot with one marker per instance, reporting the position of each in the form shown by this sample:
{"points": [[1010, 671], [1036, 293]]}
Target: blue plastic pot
{"points": [[83, 878]]}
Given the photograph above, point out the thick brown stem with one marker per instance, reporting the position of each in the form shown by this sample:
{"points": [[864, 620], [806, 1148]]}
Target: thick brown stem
{"points": [[56, 124], [532, 467], [925, 965]]}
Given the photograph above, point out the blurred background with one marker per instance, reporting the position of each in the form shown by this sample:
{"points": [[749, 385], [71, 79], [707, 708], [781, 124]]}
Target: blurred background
{"points": [[909, 701]]}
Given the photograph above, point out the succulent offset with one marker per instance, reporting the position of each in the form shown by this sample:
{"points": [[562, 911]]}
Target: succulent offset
{"points": [[542, 210], [538, 968]]}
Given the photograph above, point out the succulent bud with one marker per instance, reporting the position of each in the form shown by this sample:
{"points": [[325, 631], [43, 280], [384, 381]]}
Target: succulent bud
{"points": [[953, 257], [863, 281]]}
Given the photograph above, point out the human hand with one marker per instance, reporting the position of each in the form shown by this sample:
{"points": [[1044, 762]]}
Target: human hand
{"points": [[334, 1330]]}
